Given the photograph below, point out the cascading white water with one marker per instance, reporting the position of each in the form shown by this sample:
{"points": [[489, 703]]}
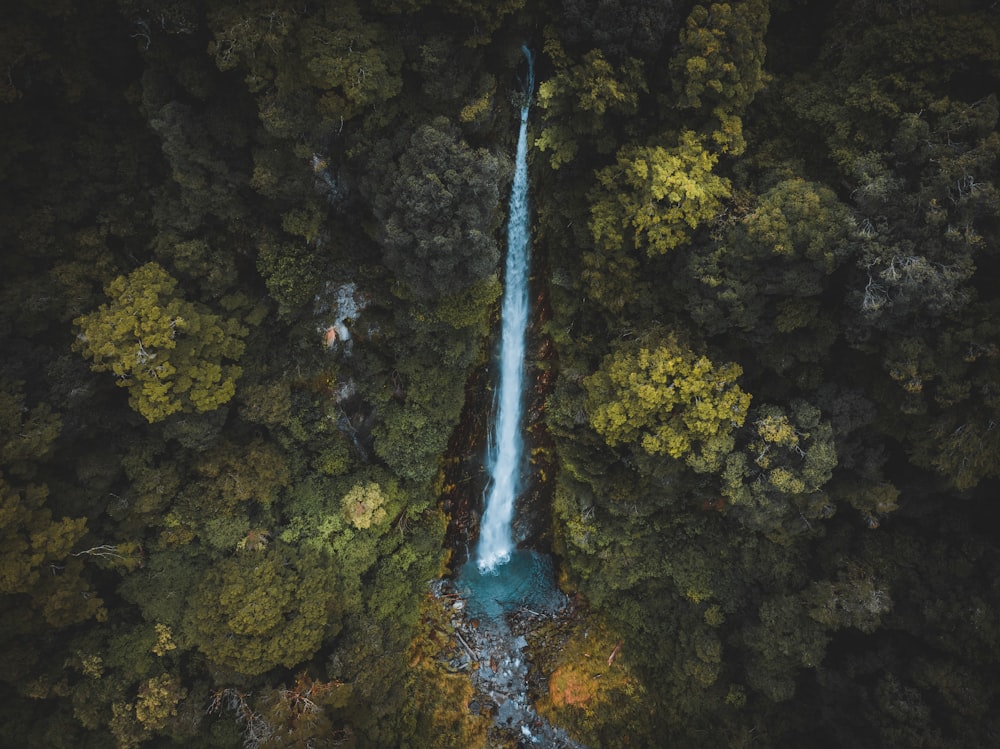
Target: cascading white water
{"points": [[506, 445], [502, 579]]}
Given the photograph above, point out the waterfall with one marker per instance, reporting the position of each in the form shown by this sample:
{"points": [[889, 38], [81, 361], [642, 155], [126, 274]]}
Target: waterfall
{"points": [[506, 443], [527, 582]]}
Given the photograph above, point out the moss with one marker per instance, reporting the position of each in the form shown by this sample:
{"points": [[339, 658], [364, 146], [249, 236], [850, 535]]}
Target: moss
{"points": [[592, 690]]}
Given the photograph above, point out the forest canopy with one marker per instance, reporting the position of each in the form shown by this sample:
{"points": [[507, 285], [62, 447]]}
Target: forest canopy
{"points": [[250, 270]]}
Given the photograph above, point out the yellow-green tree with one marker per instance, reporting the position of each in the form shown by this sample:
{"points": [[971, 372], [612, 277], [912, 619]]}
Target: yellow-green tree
{"points": [[36, 560], [364, 505], [655, 197], [171, 355], [669, 401], [156, 700]]}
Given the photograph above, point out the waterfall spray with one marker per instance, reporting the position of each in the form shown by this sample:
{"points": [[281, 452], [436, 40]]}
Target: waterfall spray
{"points": [[506, 443]]}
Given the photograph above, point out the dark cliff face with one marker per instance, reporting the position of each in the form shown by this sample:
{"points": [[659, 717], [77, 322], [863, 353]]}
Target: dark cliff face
{"points": [[465, 474], [533, 521]]}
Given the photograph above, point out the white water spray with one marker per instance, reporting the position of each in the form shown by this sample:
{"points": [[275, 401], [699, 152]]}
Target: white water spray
{"points": [[506, 444]]}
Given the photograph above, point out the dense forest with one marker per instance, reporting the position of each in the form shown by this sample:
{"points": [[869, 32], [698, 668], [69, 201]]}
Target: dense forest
{"points": [[250, 268]]}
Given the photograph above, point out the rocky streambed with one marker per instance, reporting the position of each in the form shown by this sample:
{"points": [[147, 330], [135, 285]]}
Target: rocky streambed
{"points": [[491, 645]]}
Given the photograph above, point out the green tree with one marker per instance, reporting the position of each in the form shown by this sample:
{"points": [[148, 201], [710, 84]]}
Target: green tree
{"points": [[37, 563], [259, 610], [668, 401], [169, 353], [764, 271], [439, 212], [234, 474], [774, 482], [352, 61], [154, 479], [773, 252], [855, 599], [363, 505], [204, 183], [345, 62], [479, 20], [719, 67], [638, 28], [209, 263], [581, 103], [26, 434], [783, 641], [291, 271]]}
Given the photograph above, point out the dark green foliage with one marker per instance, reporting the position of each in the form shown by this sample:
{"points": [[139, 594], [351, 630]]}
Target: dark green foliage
{"points": [[278, 226], [774, 482], [576, 102], [439, 213], [638, 28], [262, 609], [844, 271], [720, 66]]}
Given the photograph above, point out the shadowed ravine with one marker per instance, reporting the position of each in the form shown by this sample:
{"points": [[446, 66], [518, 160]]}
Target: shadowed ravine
{"points": [[501, 582]]}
